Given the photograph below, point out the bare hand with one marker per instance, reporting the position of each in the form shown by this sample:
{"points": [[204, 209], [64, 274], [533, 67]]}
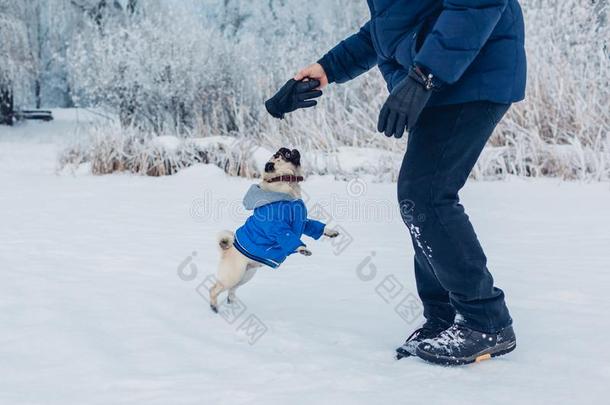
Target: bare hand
{"points": [[314, 71]]}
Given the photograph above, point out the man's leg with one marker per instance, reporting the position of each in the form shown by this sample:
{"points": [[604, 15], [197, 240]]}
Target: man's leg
{"points": [[441, 153], [435, 298], [437, 306]]}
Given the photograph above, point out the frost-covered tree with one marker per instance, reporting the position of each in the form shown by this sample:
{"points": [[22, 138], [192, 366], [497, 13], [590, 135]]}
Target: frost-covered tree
{"points": [[55, 24], [35, 37], [176, 64], [51, 25], [139, 63], [16, 60]]}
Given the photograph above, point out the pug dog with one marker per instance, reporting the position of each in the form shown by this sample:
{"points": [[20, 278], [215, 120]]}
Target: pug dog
{"points": [[273, 231]]}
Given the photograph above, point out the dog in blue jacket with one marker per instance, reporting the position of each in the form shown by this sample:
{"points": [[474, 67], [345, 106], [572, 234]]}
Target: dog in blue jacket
{"points": [[273, 231]]}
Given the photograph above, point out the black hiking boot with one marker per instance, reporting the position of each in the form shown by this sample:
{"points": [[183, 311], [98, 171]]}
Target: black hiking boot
{"points": [[460, 345], [428, 331]]}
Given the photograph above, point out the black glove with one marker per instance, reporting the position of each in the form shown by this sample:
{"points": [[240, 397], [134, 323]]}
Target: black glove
{"points": [[292, 96], [406, 102]]}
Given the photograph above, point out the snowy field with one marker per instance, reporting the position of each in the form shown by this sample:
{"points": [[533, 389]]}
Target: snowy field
{"points": [[99, 301]]}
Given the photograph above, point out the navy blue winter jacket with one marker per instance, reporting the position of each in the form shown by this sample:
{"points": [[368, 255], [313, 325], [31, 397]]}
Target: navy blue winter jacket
{"points": [[275, 228], [476, 47]]}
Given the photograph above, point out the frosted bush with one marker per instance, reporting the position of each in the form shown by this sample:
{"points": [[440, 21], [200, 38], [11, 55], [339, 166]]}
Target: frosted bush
{"points": [[112, 148], [562, 128]]}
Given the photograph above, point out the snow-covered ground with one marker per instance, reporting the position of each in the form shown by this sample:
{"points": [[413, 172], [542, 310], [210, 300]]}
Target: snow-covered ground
{"points": [[96, 306]]}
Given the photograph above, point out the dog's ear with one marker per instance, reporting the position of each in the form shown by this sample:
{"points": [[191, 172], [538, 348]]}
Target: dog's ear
{"points": [[283, 152], [295, 157]]}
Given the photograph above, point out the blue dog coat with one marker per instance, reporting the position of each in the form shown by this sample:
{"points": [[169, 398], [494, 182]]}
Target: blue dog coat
{"points": [[274, 230]]}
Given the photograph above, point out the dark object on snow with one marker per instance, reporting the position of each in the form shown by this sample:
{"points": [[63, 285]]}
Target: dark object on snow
{"points": [[8, 115], [292, 96], [460, 345], [42, 115], [430, 330], [6, 106], [406, 102], [476, 47]]}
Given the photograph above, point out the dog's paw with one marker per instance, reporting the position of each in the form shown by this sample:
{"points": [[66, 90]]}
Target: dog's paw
{"points": [[214, 308], [331, 233], [304, 251]]}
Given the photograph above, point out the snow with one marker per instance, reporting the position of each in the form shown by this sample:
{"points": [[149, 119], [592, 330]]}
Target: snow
{"points": [[167, 142], [348, 159], [92, 308]]}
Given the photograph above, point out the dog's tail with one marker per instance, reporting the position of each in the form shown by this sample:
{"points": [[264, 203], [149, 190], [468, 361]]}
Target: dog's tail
{"points": [[225, 240]]}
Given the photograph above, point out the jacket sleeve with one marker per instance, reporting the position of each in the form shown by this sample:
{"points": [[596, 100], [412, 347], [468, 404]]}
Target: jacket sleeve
{"points": [[393, 73], [313, 229], [351, 57], [461, 30]]}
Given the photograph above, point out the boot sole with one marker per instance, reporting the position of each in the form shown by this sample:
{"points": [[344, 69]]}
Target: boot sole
{"points": [[488, 354]]}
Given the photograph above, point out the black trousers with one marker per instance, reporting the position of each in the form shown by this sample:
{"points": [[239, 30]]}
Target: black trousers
{"points": [[450, 266]]}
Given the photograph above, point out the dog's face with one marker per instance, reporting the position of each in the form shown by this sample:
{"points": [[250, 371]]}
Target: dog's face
{"points": [[283, 162]]}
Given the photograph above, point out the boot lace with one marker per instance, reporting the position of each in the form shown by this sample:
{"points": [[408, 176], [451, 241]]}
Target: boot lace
{"points": [[452, 336], [426, 331]]}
